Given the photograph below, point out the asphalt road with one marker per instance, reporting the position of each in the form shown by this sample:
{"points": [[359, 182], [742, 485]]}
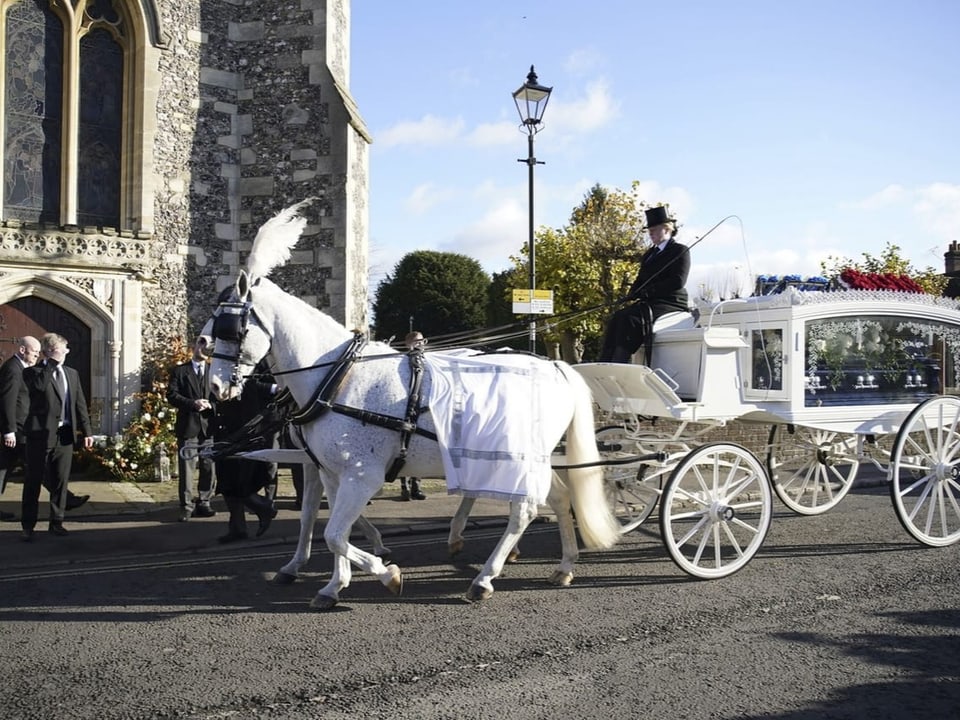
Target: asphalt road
{"points": [[838, 616]]}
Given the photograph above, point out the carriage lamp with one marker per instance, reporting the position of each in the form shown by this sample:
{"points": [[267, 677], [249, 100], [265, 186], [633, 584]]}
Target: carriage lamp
{"points": [[531, 99]]}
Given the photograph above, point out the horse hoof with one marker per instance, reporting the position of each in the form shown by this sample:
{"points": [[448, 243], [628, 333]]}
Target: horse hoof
{"points": [[477, 593], [395, 582], [455, 548], [513, 557], [383, 553], [284, 578], [323, 602], [560, 578]]}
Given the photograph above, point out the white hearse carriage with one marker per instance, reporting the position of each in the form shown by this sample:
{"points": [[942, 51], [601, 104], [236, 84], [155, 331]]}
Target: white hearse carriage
{"points": [[829, 379]]}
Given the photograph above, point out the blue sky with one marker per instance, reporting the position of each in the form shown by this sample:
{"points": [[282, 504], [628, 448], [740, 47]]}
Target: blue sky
{"points": [[826, 128]]}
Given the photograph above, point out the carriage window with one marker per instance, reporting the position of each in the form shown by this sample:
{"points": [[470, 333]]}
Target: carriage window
{"points": [[879, 360], [767, 358]]}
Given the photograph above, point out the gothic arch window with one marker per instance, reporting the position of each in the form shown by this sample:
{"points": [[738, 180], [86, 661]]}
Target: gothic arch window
{"points": [[68, 93]]}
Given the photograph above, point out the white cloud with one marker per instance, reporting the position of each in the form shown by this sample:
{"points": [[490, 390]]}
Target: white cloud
{"points": [[427, 196], [494, 237], [488, 134], [582, 61], [890, 195], [938, 208], [428, 130], [593, 110]]}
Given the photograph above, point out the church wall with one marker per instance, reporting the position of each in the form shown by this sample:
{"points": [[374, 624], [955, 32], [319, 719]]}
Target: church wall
{"points": [[249, 121], [240, 109]]}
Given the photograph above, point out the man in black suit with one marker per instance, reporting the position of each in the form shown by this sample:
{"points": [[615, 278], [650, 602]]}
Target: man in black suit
{"points": [[658, 289], [57, 415], [189, 393], [14, 402]]}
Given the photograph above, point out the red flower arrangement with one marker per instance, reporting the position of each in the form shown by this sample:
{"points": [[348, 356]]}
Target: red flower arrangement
{"points": [[857, 280]]}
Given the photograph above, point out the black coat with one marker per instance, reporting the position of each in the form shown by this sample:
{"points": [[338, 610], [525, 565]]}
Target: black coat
{"points": [[14, 398], [184, 389], [661, 279], [237, 477], [46, 405]]}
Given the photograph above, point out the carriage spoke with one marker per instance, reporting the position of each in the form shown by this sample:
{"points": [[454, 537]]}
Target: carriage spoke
{"points": [[733, 539], [693, 531], [731, 497], [812, 470], [925, 475]]}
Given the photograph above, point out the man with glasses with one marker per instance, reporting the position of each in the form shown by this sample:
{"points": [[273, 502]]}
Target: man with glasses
{"points": [[56, 417]]}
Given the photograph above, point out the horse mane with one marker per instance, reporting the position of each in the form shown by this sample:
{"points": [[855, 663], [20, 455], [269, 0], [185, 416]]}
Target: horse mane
{"points": [[275, 238]]}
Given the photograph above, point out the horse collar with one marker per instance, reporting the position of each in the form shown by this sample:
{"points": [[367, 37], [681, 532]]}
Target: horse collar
{"points": [[320, 402]]}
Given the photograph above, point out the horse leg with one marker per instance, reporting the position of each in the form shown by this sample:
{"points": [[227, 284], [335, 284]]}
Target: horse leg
{"points": [[522, 513], [559, 501], [351, 499], [373, 536], [312, 494], [457, 525]]}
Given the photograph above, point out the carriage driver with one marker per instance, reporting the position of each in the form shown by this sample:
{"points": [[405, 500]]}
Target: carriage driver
{"points": [[657, 290]]}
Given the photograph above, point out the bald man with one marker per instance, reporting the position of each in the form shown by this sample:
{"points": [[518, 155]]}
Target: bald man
{"points": [[14, 401]]}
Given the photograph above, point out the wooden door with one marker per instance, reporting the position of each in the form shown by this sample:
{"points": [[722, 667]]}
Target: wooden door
{"points": [[36, 316]]}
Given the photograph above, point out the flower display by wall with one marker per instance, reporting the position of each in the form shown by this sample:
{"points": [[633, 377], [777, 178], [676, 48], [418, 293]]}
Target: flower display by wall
{"points": [[130, 455]]}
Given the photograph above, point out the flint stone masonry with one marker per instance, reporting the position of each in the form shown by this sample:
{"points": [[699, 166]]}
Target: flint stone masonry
{"points": [[241, 108]]}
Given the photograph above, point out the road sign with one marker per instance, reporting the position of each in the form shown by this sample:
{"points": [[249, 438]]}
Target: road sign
{"points": [[542, 302]]}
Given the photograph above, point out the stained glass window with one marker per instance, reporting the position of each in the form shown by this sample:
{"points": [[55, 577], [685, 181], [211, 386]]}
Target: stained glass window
{"points": [[36, 163], [34, 64], [101, 100]]}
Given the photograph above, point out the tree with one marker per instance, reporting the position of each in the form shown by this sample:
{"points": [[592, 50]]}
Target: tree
{"points": [[440, 293], [889, 261], [589, 264]]}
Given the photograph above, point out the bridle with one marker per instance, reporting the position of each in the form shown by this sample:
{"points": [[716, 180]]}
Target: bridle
{"points": [[230, 323]]}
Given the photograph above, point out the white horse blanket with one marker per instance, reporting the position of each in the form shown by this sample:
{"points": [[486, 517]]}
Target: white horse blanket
{"points": [[496, 422]]}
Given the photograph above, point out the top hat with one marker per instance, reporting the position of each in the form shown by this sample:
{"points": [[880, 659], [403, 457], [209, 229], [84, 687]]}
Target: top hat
{"points": [[657, 216]]}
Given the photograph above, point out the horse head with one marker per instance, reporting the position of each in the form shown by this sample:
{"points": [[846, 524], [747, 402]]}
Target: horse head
{"points": [[239, 337], [240, 340]]}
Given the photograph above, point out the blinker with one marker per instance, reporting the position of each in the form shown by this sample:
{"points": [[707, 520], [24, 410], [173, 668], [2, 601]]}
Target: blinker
{"points": [[230, 321]]}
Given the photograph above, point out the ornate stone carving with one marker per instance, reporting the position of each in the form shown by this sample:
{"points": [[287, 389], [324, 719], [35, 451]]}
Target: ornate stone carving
{"points": [[19, 244]]}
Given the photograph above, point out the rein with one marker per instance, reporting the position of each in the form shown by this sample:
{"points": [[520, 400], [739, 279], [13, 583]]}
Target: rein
{"points": [[232, 319]]}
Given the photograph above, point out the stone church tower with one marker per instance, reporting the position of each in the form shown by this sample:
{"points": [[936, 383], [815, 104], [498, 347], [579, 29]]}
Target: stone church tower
{"points": [[143, 143]]}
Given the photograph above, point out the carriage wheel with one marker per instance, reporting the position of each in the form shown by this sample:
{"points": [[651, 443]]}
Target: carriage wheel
{"points": [[925, 472], [715, 511], [811, 469], [633, 489]]}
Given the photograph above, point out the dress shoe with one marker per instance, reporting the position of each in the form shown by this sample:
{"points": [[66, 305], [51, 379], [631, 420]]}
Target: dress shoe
{"points": [[231, 536], [417, 494], [75, 501], [58, 530], [184, 515], [265, 521], [203, 511], [7, 516], [26, 535]]}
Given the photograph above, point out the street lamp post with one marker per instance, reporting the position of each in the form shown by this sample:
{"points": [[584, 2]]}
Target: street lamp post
{"points": [[531, 99]]}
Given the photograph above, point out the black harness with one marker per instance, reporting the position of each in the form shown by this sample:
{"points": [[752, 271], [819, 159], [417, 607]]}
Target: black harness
{"points": [[230, 325]]}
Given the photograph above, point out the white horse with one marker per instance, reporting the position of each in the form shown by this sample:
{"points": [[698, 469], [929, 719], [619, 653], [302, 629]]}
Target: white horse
{"points": [[362, 393]]}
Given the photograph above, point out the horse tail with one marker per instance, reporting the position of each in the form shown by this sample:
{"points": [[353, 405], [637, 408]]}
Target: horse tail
{"points": [[598, 525]]}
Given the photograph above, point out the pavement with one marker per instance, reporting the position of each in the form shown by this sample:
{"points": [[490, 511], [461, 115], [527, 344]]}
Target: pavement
{"points": [[122, 520]]}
